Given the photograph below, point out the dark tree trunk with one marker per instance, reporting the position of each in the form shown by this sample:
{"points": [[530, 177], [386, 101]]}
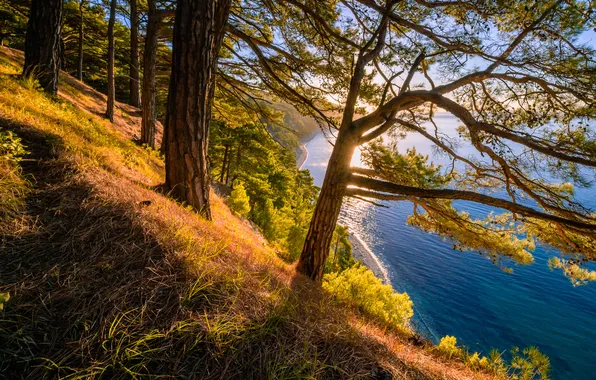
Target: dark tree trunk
{"points": [[81, 40], [223, 166], [135, 99], [149, 62], [42, 43], [320, 233], [111, 84], [198, 33]]}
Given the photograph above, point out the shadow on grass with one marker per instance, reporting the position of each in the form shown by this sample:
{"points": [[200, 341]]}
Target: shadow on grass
{"points": [[94, 295]]}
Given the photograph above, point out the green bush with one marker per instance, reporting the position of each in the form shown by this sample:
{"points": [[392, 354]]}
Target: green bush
{"points": [[359, 286], [238, 201], [528, 364], [448, 347], [11, 148]]}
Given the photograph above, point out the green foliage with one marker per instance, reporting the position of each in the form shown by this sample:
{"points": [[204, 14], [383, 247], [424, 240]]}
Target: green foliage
{"points": [[11, 148], [4, 298], [411, 168], [281, 197], [340, 255], [448, 347], [525, 365], [13, 187], [238, 201], [358, 285], [529, 364]]}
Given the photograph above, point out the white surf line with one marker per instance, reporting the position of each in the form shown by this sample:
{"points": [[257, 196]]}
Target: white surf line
{"points": [[383, 270], [305, 156]]}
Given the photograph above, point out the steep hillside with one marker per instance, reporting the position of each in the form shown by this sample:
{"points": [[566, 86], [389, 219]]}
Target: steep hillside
{"points": [[108, 278]]}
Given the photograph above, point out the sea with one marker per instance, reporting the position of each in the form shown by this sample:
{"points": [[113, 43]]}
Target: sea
{"points": [[464, 294]]}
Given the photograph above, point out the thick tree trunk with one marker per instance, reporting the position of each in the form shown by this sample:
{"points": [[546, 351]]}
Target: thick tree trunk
{"points": [[135, 99], [42, 43], [111, 84], [198, 33], [149, 62], [320, 233], [81, 40]]}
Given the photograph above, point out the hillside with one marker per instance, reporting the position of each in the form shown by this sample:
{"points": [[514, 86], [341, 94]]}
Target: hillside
{"points": [[108, 278]]}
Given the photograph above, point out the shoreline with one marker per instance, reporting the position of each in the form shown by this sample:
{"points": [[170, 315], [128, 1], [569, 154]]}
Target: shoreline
{"points": [[360, 250], [301, 155], [364, 255], [302, 152]]}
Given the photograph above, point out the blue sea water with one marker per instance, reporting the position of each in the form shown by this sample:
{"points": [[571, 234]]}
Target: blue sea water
{"points": [[464, 294]]}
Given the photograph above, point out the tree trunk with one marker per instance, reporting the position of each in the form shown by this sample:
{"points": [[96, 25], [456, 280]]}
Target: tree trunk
{"points": [[198, 33], [227, 180], [149, 62], [223, 166], [81, 40], [111, 84], [320, 233], [42, 43], [135, 99]]}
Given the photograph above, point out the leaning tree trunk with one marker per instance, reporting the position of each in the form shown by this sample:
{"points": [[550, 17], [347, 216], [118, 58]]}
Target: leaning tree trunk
{"points": [[111, 84], [198, 33], [134, 55], [42, 43], [81, 40], [149, 62], [320, 233]]}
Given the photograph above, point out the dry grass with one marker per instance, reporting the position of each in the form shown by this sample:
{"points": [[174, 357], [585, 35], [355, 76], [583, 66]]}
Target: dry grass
{"points": [[110, 279]]}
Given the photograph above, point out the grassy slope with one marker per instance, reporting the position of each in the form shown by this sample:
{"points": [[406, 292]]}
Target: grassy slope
{"points": [[106, 285]]}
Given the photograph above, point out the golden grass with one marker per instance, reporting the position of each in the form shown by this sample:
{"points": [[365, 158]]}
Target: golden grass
{"points": [[110, 279]]}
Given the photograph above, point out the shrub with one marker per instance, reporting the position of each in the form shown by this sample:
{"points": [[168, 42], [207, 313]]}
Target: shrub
{"points": [[359, 286], [529, 364], [238, 201], [11, 148], [448, 347]]}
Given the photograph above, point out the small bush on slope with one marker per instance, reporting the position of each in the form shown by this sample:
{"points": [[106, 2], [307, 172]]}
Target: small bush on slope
{"points": [[358, 285], [238, 201]]}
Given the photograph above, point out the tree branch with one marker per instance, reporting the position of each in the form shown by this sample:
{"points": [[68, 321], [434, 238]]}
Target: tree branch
{"points": [[408, 191]]}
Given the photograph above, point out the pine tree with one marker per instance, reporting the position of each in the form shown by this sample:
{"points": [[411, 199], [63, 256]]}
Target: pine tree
{"points": [[43, 43], [198, 34], [111, 81]]}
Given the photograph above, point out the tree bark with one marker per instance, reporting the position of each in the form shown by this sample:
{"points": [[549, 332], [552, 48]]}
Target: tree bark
{"points": [[149, 62], [81, 40], [198, 33], [42, 43], [111, 84], [135, 99], [320, 233]]}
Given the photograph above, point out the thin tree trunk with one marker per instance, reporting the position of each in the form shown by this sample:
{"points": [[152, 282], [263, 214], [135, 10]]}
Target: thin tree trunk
{"points": [[228, 166], [223, 166], [81, 40], [135, 99], [149, 62], [42, 43], [198, 33], [111, 84], [320, 233]]}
